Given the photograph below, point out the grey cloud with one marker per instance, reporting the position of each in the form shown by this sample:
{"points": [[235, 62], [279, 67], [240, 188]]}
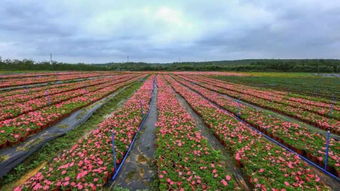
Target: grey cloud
{"points": [[166, 31]]}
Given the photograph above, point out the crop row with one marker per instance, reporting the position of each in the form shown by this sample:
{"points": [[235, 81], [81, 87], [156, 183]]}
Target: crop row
{"points": [[279, 96], [28, 81], [18, 129], [26, 75], [317, 113], [31, 90], [296, 136], [185, 161], [311, 100], [266, 165], [89, 163], [12, 111], [51, 90]]}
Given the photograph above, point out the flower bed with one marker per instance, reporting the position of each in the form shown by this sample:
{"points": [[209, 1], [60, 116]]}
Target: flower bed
{"points": [[267, 166], [23, 95], [26, 75], [89, 163], [12, 111], [322, 115], [35, 80], [185, 161], [16, 130], [296, 136]]}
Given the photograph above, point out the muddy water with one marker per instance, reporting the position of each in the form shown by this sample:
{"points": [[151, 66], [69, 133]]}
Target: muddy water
{"points": [[139, 169], [213, 141]]}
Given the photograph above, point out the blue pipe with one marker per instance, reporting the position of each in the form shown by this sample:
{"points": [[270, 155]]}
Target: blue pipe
{"points": [[290, 150]]}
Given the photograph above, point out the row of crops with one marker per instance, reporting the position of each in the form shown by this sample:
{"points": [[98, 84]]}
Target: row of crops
{"points": [[240, 117], [297, 136]]}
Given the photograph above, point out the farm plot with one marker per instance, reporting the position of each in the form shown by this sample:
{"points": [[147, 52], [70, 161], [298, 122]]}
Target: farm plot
{"points": [[296, 136], [89, 163], [28, 75], [22, 95], [48, 110], [184, 159], [323, 115], [45, 79], [267, 139], [267, 165]]}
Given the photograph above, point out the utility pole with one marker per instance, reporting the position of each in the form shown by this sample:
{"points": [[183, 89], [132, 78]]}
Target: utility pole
{"points": [[50, 58], [127, 59]]}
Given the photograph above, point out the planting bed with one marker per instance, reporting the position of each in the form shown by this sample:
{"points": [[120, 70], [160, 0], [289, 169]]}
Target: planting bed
{"points": [[163, 131], [296, 136]]}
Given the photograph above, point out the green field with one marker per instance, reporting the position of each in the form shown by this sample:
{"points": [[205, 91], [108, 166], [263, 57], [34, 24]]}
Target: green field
{"points": [[302, 83]]}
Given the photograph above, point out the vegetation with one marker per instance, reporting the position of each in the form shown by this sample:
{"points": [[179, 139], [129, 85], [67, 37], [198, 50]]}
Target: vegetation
{"points": [[49, 151], [306, 84], [278, 65]]}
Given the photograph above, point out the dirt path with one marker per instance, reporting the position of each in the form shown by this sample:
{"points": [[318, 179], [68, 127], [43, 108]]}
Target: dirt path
{"points": [[139, 169]]}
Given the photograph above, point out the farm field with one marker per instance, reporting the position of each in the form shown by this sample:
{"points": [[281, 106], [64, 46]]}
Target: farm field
{"points": [[309, 84], [169, 131]]}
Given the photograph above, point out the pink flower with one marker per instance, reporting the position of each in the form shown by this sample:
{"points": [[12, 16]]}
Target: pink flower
{"points": [[225, 183], [228, 177], [17, 188], [317, 179]]}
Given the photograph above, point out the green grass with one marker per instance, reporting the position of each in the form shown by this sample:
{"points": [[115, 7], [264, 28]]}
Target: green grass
{"points": [[50, 150], [280, 74], [301, 83]]}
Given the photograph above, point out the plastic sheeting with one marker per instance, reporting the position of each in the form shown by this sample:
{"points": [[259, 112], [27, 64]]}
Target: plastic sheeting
{"points": [[11, 157]]}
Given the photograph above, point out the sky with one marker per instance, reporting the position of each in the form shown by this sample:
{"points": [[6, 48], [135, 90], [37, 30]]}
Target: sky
{"points": [[168, 31]]}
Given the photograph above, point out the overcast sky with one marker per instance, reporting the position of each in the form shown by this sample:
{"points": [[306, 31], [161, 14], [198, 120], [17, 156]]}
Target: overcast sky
{"points": [[166, 31]]}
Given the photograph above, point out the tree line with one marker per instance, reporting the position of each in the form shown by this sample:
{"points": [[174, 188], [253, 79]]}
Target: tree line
{"points": [[256, 65]]}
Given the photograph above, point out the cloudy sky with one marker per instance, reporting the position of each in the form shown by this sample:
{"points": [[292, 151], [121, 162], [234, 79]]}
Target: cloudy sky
{"points": [[165, 31]]}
